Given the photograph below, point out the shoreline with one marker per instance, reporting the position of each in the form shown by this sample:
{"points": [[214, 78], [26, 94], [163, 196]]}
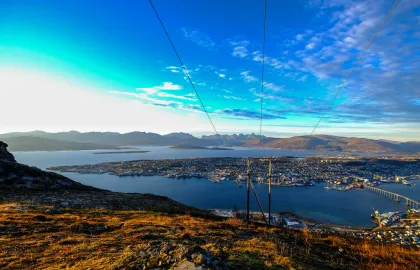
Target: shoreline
{"points": [[122, 152], [308, 223]]}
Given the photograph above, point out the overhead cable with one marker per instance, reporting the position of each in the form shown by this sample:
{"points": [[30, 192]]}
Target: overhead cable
{"points": [[186, 71], [355, 66]]}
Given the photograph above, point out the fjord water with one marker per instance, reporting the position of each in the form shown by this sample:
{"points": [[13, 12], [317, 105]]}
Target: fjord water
{"points": [[345, 208]]}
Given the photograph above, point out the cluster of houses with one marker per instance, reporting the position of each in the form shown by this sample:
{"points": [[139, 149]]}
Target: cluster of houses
{"points": [[402, 228]]}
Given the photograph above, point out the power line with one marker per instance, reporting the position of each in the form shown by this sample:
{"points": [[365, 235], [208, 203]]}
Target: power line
{"points": [[357, 63], [262, 70], [185, 71]]}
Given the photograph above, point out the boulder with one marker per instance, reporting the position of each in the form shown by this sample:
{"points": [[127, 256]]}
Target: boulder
{"points": [[188, 266]]}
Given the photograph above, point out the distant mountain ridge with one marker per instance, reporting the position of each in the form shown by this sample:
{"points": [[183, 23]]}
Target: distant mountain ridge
{"points": [[29, 143], [343, 144], [74, 140]]}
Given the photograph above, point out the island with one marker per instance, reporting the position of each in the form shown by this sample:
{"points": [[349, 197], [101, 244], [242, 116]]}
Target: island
{"points": [[121, 152], [187, 146]]}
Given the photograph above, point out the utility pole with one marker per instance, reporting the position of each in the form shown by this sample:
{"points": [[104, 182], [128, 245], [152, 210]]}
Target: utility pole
{"points": [[248, 185], [270, 168]]}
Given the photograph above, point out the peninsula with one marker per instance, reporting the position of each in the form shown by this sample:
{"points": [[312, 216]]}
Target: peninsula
{"points": [[183, 146], [120, 152]]}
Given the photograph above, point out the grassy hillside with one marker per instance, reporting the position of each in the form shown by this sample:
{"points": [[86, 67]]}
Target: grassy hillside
{"points": [[41, 237]]}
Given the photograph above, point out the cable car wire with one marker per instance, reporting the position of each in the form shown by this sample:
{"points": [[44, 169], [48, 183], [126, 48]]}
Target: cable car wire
{"points": [[186, 71]]}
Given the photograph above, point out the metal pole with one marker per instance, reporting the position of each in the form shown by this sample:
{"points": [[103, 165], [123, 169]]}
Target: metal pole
{"points": [[269, 193], [248, 184], [259, 203]]}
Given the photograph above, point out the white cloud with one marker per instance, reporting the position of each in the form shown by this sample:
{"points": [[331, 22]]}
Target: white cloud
{"points": [[143, 97], [349, 40], [240, 48], [254, 92], [303, 78], [221, 75], [257, 56], [310, 46], [199, 38], [248, 78], [186, 97], [174, 69], [165, 86], [233, 97], [273, 86]]}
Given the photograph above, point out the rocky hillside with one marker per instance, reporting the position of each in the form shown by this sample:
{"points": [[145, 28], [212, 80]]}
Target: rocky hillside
{"points": [[15, 176], [4, 154], [20, 183]]}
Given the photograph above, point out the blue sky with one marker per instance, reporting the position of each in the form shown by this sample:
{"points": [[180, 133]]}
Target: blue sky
{"points": [[107, 65]]}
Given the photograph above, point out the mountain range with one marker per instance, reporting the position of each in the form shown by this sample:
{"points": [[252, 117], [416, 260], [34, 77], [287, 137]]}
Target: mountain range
{"points": [[74, 140]]}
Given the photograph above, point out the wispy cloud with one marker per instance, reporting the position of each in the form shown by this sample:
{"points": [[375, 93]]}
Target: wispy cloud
{"points": [[168, 95], [145, 98], [310, 46], [273, 86], [248, 78], [240, 48], [199, 38], [174, 69], [233, 97], [165, 86], [248, 114]]}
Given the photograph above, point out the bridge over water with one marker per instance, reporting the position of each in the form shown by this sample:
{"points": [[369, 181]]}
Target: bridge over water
{"points": [[395, 196]]}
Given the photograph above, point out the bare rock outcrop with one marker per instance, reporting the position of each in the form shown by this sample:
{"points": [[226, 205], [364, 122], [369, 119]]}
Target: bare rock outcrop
{"points": [[4, 154]]}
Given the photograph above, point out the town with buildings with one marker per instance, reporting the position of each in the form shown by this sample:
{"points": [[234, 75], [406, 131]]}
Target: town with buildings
{"points": [[341, 173]]}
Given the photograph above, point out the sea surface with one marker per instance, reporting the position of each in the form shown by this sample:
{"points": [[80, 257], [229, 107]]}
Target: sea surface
{"points": [[351, 208]]}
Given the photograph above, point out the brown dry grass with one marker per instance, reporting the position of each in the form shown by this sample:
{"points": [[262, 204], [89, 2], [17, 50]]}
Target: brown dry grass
{"points": [[34, 238], [379, 256]]}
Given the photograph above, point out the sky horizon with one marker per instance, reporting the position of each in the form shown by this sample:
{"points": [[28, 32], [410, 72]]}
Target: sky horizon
{"points": [[200, 134], [72, 65]]}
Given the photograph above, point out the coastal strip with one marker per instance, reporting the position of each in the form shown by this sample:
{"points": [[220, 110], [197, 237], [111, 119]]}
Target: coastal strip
{"points": [[120, 152]]}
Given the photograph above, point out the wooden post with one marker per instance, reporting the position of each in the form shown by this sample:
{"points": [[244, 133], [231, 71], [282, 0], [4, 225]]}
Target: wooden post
{"points": [[248, 185], [270, 168]]}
